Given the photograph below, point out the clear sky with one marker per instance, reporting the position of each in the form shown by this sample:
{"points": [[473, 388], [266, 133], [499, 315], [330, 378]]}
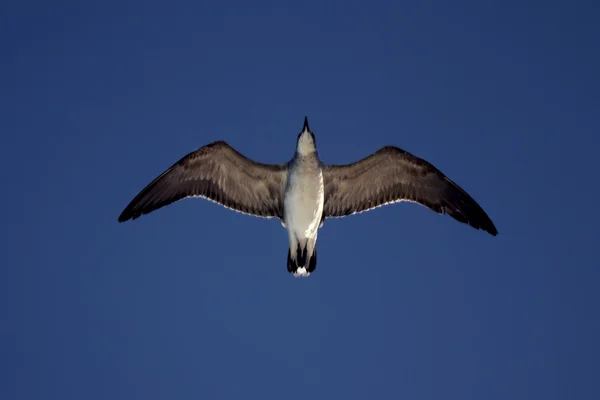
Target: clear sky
{"points": [[194, 301]]}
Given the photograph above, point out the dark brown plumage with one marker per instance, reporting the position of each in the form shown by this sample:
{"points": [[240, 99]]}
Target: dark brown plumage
{"points": [[221, 174], [391, 175]]}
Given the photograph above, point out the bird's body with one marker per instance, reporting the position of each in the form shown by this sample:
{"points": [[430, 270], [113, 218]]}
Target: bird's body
{"points": [[305, 191], [303, 210]]}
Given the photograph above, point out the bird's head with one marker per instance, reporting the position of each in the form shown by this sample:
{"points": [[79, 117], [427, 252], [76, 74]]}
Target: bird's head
{"points": [[306, 143]]}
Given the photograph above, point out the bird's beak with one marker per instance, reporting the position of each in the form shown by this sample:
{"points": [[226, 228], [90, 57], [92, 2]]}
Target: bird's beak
{"points": [[306, 128]]}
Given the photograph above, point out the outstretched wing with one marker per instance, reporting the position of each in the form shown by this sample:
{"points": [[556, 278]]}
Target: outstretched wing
{"points": [[219, 173], [391, 175]]}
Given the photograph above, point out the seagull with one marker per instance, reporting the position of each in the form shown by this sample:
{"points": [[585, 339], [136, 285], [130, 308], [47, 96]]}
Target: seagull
{"points": [[305, 191]]}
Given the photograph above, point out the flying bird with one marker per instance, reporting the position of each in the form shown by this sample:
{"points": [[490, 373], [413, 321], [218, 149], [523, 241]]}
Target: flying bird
{"points": [[305, 191]]}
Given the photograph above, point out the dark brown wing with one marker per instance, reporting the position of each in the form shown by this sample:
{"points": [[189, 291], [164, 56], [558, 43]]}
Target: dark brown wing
{"points": [[219, 173], [391, 175]]}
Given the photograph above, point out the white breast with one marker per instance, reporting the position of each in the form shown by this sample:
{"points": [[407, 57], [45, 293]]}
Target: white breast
{"points": [[303, 201]]}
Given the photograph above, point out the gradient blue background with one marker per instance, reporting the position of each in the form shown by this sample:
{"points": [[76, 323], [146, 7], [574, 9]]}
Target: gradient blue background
{"points": [[194, 301]]}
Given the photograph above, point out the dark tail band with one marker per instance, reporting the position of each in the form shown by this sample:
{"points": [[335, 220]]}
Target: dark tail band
{"points": [[302, 260]]}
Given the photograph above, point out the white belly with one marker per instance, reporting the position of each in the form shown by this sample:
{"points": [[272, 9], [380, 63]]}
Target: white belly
{"points": [[303, 204]]}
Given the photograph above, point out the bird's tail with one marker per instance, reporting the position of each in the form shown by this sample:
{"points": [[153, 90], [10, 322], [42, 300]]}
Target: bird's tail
{"points": [[302, 263]]}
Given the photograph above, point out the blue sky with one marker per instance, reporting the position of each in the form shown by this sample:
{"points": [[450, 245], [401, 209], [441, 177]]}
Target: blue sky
{"points": [[194, 301]]}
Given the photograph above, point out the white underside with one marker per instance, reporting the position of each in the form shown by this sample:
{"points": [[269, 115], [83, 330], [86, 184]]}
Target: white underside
{"points": [[303, 205], [303, 208], [302, 219]]}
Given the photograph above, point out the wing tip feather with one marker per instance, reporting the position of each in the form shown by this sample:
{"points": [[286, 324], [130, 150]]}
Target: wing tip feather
{"points": [[127, 215]]}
